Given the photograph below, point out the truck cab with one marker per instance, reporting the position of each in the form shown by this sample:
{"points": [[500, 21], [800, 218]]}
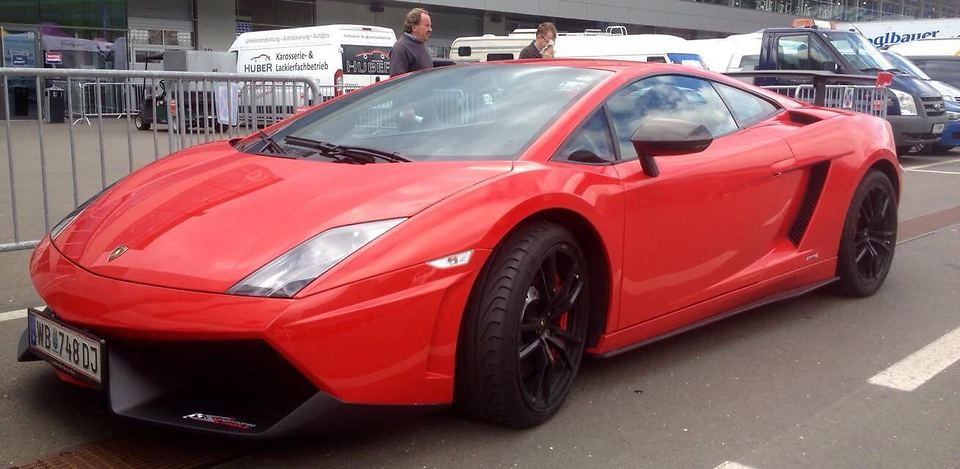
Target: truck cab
{"points": [[915, 110]]}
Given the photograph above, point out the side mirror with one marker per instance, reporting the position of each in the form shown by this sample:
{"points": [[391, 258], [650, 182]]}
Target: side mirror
{"points": [[664, 137], [831, 66]]}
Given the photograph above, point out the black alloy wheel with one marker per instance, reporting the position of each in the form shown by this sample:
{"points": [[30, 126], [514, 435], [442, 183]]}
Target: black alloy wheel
{"points": [[876, 234], [524, 332], [551, 337], [869, 237]]}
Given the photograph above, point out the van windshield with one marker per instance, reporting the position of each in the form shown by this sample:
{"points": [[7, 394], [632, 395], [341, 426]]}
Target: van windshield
{"points": [[858, 51], [470, 112], [906, 65]]}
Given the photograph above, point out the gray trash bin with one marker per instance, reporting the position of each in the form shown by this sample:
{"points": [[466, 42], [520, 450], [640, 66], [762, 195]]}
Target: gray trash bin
{"points": [[54, 104]]}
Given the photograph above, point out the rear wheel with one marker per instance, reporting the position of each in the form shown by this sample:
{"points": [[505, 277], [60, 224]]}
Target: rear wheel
{"points": [[141, 123], [869, 237], [524, 333]]}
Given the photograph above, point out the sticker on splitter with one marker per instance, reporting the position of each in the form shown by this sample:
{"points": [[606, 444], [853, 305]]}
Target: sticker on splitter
{"points": [[220, 420]]}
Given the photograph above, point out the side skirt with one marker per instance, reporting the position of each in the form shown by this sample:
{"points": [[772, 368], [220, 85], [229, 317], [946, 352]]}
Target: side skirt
{"points": [[784, 295]]}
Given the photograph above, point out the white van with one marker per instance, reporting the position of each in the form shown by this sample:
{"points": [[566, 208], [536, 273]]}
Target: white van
{"points": [[612, 43], [662, 48], [739, 52], [489, 47], [348, 56]]}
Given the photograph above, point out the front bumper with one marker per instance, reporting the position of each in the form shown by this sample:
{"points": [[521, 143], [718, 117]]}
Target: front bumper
{"points": [[381, 343], [232, 388], [914, 130], [951, 134]]}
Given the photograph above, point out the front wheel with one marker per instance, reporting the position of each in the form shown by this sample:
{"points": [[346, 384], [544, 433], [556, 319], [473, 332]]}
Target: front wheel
{"points": [[524, 333], [869, 237], [141, 123]]}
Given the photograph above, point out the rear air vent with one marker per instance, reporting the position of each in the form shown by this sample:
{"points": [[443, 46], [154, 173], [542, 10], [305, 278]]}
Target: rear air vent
{"points": [[803, 118], [818, 175]]}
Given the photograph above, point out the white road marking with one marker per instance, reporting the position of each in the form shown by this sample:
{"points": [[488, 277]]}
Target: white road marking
{"points": [[18, 314], [11, 315], [911, 372], [732, 465], [930, 171], [930, 165]]}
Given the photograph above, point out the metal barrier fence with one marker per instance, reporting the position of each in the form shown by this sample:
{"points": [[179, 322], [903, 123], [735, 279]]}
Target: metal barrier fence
{"points": [[857, 93], [858, 98], [64, 164]]}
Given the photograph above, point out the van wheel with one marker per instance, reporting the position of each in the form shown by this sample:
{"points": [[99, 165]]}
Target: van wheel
{"points": [[524, 333], [141, 123]]}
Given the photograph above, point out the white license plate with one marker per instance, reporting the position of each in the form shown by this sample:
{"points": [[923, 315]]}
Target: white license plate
{"points": [[938, 129], [76, 351]]}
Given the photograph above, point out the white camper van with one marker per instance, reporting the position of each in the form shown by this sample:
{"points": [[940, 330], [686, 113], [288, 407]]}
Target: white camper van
{"points": [[612, 43], [662, 48], [349, 56], [489, 47], [739, 52]]}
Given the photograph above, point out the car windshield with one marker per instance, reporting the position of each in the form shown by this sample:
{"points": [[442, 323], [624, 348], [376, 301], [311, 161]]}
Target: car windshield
{"points": [[470, 112], [859, 51], [906, 65]]}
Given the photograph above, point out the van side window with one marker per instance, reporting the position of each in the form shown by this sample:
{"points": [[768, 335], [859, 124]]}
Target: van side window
{"points": [[667, 96], [495, 57], [749, 62], [591, 143], [800, 53], [747, 108]]}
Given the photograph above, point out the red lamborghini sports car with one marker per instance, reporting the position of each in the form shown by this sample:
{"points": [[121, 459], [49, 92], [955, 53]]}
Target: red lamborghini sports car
{"points": [[463, 236]]}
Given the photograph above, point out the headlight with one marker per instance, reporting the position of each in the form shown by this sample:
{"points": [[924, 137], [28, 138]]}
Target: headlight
{"points": [[953, 116], [947, 97], [67, 220], [908, 107], [289, 273]]}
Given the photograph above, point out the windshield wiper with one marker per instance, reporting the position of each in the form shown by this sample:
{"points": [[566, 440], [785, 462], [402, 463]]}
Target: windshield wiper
{"points": [[392, 157], [901, 72], [872, 69], [271, 143], [353, 153]]}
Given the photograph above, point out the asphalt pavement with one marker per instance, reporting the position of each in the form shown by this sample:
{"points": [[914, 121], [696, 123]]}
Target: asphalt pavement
{"points": [[787, 385]]}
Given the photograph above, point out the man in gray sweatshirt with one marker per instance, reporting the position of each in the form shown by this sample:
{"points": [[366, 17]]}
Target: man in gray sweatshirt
{"points": [[410, 53]]}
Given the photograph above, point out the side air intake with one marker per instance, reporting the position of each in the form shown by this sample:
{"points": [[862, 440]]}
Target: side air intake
{"points": [[818, 176]]}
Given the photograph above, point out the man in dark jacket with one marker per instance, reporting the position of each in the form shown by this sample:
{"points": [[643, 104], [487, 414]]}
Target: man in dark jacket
{"points": [[546, 34], [410, 53]]}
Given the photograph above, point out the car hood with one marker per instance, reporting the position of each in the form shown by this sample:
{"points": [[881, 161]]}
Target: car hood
{"points": [[206, 218]]}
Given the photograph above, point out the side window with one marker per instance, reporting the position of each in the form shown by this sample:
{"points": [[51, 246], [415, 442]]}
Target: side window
{"points": [[799, 53], [749, 62], [591, 143], [668, 96], [747, 108]]}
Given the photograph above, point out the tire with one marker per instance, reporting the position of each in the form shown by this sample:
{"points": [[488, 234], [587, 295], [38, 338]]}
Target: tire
{"points": [[521, 343], [938, 148], [141, 123], [869, 237]]}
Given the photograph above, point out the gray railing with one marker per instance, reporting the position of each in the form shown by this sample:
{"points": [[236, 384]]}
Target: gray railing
{"points": [[858, 93], [51, 168]]}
